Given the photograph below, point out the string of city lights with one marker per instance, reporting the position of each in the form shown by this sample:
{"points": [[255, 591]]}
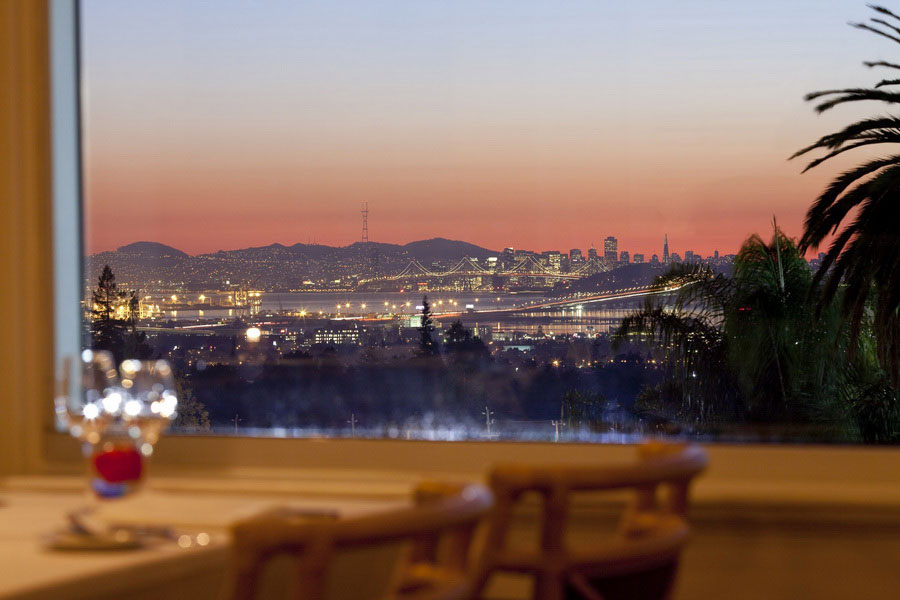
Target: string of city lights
{"points": [[468, 267]]}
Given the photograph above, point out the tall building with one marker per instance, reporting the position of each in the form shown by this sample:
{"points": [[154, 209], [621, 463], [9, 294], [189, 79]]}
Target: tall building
{"points": [[654, 260], [508, 257], [575, 256], [675, 257], [610, 249], [666, 249], [624, 257], [688, 256], [592, 253], [638, 258], [554, 259]]}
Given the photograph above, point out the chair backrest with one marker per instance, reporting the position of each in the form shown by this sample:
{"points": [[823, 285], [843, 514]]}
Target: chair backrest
{"points": [[650, 536], [314, 544]]}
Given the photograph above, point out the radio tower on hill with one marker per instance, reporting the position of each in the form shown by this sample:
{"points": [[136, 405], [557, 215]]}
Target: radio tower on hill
{"points": [[365, 216], [373, 250]]}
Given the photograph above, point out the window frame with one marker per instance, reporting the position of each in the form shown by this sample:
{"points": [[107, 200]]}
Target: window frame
{"points": [[809, 474]]}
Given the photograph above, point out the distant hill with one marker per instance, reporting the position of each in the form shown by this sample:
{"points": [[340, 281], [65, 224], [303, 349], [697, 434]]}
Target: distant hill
{"points": [[152, 249], [275, 266], [442, 249]]}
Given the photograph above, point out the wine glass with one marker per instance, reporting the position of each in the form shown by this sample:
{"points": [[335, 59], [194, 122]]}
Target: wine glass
{"points": [[88, 419], [121, 417]]}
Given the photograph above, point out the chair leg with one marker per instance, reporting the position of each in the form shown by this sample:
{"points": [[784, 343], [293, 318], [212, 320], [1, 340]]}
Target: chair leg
{"points": [[549, 587], [584, 588]]}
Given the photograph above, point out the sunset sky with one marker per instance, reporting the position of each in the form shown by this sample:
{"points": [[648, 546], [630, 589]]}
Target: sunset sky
{"points": [[534, 124]]}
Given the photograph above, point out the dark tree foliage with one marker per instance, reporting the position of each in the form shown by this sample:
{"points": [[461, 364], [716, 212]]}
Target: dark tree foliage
{"points": [[861, 209], [460, 341], [582, 409], [114, 315], [755, 348], [427, 343], [107, 331]]}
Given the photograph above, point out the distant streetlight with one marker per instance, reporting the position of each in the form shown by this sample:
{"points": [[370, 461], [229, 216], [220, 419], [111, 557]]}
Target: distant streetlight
{"points": [[488, 420]]}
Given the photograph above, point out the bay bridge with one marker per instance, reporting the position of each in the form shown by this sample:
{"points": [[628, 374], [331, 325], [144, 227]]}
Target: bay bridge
{"points": [[467, 267]]}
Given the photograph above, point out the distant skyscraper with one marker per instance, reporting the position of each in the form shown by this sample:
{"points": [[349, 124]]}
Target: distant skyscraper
{"points": [[638, 258], [666, 249], [554, 259], [654, 260], [688, 256], [611, 249], [716, 255], [624, 257], [575, 255], [592, 253], [675, 257]]}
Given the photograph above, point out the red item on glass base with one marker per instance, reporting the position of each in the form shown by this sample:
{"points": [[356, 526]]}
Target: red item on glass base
{"points": [[118, 465]]}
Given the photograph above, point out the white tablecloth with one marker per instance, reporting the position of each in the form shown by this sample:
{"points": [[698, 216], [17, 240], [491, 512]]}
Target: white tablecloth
{"points": [[28, 569]]}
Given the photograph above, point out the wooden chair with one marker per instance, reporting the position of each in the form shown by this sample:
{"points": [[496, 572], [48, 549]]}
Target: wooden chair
{"points": [[638, 562], [437, 530]]}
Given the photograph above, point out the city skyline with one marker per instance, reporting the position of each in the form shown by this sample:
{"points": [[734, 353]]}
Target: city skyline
{"points": [[582, 252], [531, 124]]}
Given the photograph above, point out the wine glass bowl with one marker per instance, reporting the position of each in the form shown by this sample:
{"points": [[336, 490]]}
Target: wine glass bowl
{"points": [[120, 417]]}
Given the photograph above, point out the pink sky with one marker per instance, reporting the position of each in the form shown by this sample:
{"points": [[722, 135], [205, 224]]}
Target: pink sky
{"points": [[527, 126]]}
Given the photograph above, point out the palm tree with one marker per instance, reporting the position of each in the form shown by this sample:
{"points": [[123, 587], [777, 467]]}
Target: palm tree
{"points": [[783, 356], [861, 209], [747, 346], [692, 341]]}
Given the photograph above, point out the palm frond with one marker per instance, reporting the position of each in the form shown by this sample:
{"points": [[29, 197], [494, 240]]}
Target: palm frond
{"points": [[881, 63], [892, 137], [886, 24], [817, 213], [875, 30], [826, 220], [851, 132], [882, 10], [699, 288], [852, 95]]}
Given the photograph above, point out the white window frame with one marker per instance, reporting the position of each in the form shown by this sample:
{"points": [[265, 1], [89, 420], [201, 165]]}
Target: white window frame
{"points": [[809, 474]]}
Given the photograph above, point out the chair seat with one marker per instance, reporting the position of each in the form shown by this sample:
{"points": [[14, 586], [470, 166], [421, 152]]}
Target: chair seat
{"points": [[621, 555]]}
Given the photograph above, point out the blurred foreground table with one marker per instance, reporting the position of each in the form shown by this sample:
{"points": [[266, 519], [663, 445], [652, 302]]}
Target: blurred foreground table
{"points": [[163, 569]]}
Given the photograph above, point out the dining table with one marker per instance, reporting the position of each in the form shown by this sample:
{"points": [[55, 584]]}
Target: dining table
{"points": [[188, 560]]}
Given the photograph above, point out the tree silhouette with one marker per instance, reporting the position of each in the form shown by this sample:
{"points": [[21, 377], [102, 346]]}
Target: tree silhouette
{"points": [[107, 329], [581, 409], [427, 344], [861, 208], [748, 346], [457, 335], [463, 348], [114, 315]]}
